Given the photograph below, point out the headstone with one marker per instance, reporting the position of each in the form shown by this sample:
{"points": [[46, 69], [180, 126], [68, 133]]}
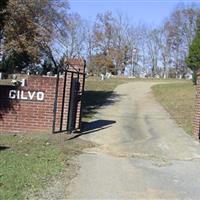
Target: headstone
{"points": [[14, 76], [28, 72], [102, 77], [108, 75], [48, 73]]}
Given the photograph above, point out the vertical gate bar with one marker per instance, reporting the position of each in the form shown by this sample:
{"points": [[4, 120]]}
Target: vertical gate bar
{"points": [[82, 97], [72, 76], [78, 75], [63, 100], [55, 101], [77, 102]]}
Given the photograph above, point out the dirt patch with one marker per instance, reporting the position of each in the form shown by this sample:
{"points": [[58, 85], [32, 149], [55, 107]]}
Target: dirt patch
{"points": [[57, 186]]}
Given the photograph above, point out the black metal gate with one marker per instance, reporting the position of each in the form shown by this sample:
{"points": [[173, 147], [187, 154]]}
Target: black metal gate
{"points": [[68, 99]]}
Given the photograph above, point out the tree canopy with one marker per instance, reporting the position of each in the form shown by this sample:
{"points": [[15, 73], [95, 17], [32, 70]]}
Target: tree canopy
{"points": [[29, 29], [193, 58], [33, 32]]}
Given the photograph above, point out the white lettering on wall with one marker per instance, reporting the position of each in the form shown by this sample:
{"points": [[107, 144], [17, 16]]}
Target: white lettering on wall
{"points": [[26, 95], [18, 94], [12, 94], [23, 97], [31, 95], [40, 96]]}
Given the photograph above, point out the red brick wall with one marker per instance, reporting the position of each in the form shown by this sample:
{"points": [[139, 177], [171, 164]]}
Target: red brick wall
{"points": [[25, 116], [196, 124]]}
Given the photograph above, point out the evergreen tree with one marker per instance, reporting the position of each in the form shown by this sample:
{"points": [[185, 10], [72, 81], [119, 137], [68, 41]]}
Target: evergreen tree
{"points": [[193, 59]]}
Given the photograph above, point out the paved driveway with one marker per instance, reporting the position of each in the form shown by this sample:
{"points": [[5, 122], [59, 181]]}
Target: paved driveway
{"points": [[141, 152]]}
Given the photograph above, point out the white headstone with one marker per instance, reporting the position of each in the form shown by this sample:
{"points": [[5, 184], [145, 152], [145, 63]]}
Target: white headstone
{"points": [[108, 75], [102, 77]]}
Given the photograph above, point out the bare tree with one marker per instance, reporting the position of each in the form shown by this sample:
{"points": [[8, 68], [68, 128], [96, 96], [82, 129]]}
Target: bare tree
{"points": [[153, 49], [113, 41], [121, 42], [141, 33], [165, 45], [181, 28], [102, 40], [73, 38]]}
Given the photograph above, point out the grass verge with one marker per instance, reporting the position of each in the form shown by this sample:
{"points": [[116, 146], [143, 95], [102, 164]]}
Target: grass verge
{"points": [[179, 100], [27, 163]]}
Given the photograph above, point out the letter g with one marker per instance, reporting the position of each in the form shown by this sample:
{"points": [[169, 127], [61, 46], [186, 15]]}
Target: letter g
{"points": [[12, 94]]}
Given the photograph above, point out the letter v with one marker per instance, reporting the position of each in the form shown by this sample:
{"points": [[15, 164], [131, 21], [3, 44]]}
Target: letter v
{"points": [[31, 95]]}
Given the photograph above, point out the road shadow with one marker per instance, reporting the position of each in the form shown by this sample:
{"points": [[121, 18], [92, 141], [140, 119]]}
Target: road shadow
{"points": [[94, 126], [2, 148], [93, 100]]}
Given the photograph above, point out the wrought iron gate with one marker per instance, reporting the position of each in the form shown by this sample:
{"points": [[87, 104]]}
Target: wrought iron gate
{"points": [[68, 99]]}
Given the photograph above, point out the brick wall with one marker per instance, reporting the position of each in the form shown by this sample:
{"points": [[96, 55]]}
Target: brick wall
{"points": [[31, 113], [196, 124]]}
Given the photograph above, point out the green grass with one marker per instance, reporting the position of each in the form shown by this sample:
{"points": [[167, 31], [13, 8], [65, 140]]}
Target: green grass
{"points": [[27, 163], [179, 100], [96, 84]]}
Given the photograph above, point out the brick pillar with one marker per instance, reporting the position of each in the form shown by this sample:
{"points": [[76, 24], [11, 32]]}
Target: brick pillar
{"points": [[196, 124]]}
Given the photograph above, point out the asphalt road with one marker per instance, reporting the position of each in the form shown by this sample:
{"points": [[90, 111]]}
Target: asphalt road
{"points": [[141, 154]]}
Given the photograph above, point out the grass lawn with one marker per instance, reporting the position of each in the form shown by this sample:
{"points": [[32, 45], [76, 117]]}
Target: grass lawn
{"points": [[27, 163], [179, 100]]}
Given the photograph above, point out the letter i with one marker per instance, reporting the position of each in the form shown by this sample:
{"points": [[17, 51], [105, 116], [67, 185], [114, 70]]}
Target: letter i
{"points": [[18, 94]]}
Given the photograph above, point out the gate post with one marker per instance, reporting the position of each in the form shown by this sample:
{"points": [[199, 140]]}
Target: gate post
{"points": [[196, 123], [68, 97]]}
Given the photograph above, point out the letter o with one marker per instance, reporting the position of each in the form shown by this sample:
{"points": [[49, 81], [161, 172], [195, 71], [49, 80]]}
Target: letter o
{"points": [[40, 96]]}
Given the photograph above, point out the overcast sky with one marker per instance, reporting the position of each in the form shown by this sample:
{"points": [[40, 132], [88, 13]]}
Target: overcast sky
{"points": [[149, 11]]}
